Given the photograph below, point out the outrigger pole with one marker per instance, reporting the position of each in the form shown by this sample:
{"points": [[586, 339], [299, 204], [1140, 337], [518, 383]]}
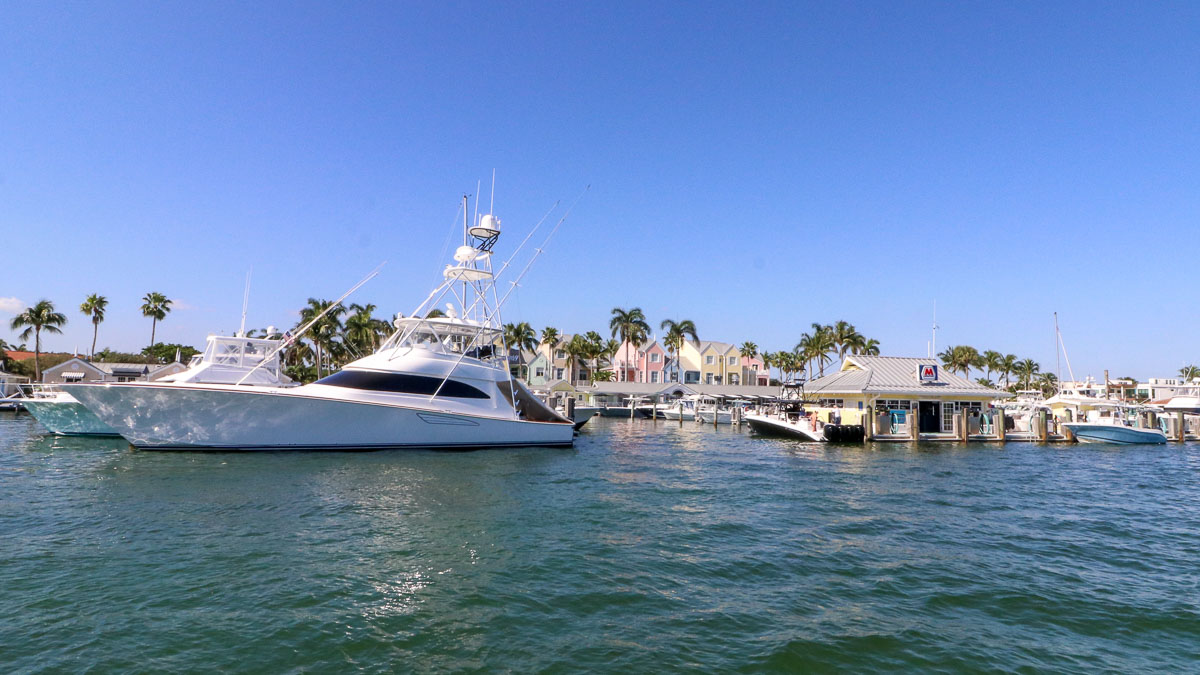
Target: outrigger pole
{"points": [[315, 319]]}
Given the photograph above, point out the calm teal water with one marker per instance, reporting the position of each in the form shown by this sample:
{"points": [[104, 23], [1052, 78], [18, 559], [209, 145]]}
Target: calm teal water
{"points": [[645, 549]]}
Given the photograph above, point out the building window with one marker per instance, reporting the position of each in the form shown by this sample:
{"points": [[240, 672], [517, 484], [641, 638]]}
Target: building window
{"points": [[708, 377], [654, 377], [558, 373], [560, 354], [708, 360], [733, 360], [734, 379], [655, 357], [539, 372], [830, 403], [691, 377]]}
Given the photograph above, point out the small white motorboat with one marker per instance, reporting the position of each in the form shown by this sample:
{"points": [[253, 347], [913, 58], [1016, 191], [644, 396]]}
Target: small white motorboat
{"points": [[1115, 426], [788, 417]]}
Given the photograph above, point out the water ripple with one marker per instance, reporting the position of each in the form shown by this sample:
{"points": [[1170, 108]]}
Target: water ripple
{"points": [[648, 547]]}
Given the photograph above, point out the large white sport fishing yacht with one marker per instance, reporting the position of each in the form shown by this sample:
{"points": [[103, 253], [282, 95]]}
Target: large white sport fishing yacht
{"points": [[224, 360], [435, 383]]}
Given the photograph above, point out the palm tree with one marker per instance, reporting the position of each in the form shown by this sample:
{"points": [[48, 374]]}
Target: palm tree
{"points": [[817, 347], [522, 337], [845, 336], [676, 333], [550, 336], [868, 348], [435, 313], [960, 358], [631, 326], [40, 317], [1048, 383], [1027, 369], [992, 360], [156, 306], [577, 350], [324, 331], [1189, 373], [94, 306], [748, 350], [1008, 366], [363, 332]]}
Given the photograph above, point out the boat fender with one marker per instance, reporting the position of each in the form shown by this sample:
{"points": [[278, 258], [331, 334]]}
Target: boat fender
{"points": [[830, 433]]}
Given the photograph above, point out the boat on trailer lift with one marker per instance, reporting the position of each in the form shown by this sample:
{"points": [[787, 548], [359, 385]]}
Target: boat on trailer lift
{"points": [[434, 383]]}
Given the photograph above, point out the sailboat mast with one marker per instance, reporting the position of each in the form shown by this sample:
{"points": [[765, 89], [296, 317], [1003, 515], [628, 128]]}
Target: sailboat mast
{"points": [[1057, 354]]}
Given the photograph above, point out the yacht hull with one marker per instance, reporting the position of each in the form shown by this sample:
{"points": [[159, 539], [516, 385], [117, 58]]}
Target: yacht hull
{"points": [[1105, 433], [723, 417], [65, 416], [157, 417], [583, 414], [777, 427]]}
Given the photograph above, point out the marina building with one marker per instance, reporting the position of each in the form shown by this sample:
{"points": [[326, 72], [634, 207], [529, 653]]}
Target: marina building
{"points": [[900, 393]]}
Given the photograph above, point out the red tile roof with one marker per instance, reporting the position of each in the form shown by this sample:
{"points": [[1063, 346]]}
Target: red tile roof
{"points": [[19, 356]]}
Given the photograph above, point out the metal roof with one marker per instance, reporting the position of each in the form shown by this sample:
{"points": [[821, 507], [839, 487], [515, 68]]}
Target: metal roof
{"points": [[895, 375]]}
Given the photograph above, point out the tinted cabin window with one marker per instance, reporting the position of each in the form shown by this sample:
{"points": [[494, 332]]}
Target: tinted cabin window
{"points": [[401, 384]]}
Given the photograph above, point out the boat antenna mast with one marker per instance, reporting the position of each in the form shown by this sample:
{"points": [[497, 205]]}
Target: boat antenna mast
{"points": [[933, 348], [245, 304]]}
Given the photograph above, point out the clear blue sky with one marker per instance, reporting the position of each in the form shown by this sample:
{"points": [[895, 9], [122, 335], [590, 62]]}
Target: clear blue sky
{"points": [[755, 167]]}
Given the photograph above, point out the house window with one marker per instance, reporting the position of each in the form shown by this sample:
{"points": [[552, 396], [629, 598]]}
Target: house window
{"points": [[708, 377], [558, 373], [539, 372], [655, 357], [691, 377], [654, 376], [830, 403], [708, 360], [560, 354], [733, 360], [734, 379]]}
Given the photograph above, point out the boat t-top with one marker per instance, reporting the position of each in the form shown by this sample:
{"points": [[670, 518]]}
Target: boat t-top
{"points": [[434, 383]]}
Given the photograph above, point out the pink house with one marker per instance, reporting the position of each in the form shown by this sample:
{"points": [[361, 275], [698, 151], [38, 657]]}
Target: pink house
{"points": [[645, 363], [754, 371]]}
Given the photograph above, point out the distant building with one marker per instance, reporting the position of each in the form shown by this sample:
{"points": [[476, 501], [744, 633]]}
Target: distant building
{"points": [[80, 370]]}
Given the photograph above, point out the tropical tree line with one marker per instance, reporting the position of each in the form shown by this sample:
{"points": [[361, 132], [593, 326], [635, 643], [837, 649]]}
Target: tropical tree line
{"points": [[44, 317], [1015, 373], [630, 327]]}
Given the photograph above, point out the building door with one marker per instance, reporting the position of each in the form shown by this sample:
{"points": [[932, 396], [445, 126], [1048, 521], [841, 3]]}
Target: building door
{"points": [[929, 417]]}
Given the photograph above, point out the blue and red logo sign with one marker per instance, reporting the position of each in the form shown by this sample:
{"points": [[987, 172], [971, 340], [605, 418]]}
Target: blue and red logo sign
{"points": [[927, 373]]}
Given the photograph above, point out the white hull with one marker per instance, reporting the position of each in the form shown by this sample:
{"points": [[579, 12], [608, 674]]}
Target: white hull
{"points": [[723, 417], [584, 413], [774, 425], [242, 418], [675, 415], [1110, 433], [65, 416]]}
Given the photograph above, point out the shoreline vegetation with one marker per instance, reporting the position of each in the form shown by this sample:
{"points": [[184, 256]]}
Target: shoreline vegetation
{"points": [[349, 332]]}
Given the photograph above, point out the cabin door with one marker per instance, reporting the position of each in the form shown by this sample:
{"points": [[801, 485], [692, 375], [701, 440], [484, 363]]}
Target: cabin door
{"points": [[929, 417]]}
